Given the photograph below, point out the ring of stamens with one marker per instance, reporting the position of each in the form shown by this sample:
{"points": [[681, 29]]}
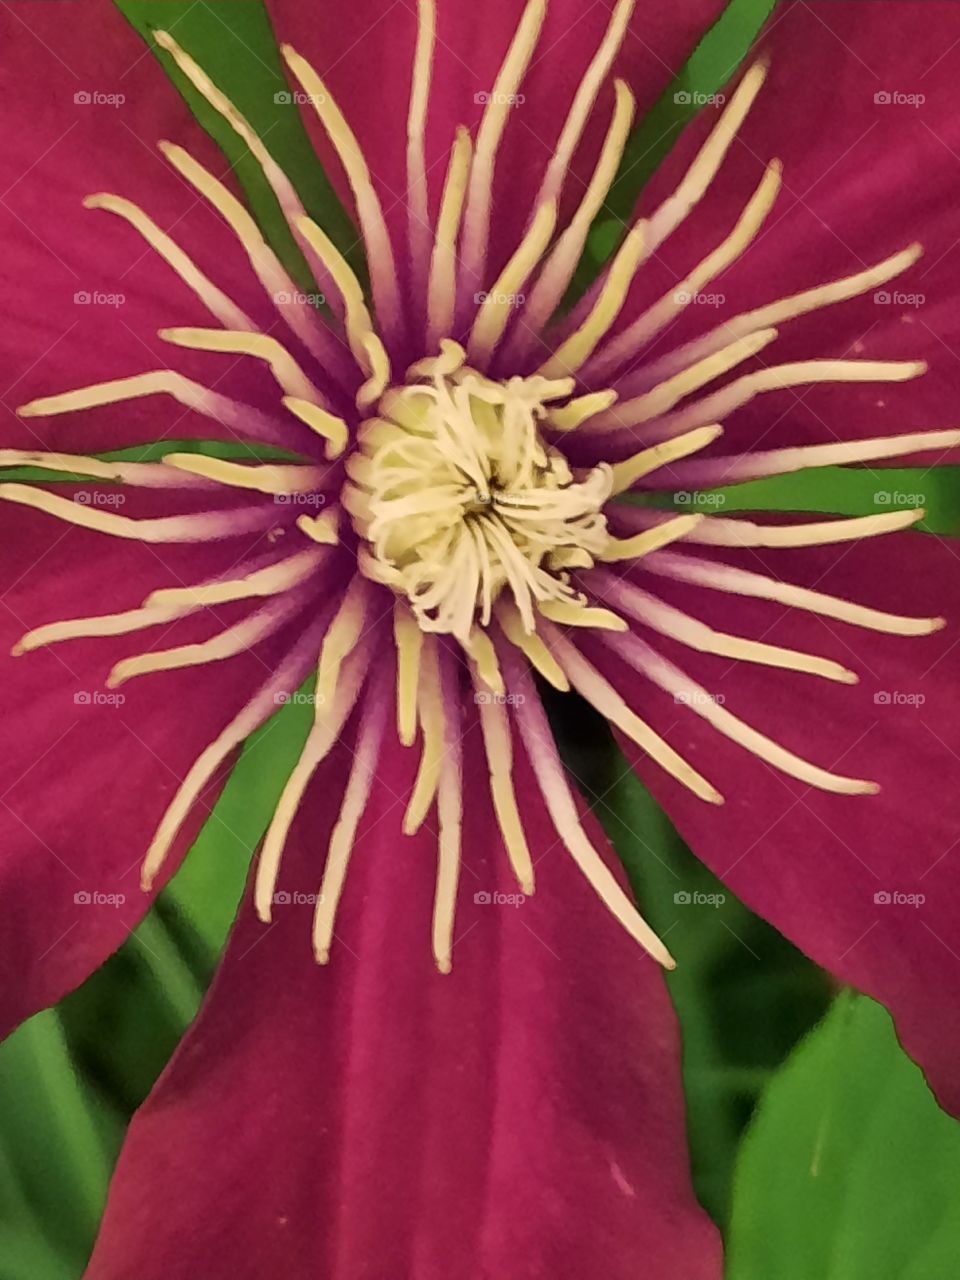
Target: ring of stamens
{"points": [[459, 497]]}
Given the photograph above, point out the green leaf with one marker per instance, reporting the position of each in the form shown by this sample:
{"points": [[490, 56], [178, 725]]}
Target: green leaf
{"points": [[711, 65], [847, 491], [233, 41], [743, 994], [155, 451], [850, 1169]]}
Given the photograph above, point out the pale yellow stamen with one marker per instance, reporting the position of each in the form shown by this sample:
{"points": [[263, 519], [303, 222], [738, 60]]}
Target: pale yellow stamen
{"points": [[572, 415], [531, 646], [499, 303], [578, 615], [581, 344], [450, 821], [641, 409], [498, 744], [333, 429], [290, 377], [378, 362], [442, 287], [272, 580], [419, 216], [628, 472], [383, 273], [408, 639], [719, 532], [263, 477], [482, 651], [342, 637], [741, 582], [430, 712], [559, 267], [110, 624], [214, 299], [780, 461], [476, 223], [323, 528], [357, 319], [147, 475], [641, 544]]}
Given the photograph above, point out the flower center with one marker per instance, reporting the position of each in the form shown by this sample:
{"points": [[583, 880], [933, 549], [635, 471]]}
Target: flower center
{"points": [[459, 497]]}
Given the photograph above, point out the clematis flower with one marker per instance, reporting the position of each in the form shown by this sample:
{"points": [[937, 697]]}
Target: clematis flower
{"points": [[430, 519]]}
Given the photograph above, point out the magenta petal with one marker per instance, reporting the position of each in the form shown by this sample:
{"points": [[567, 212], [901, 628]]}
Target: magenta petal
{"points": [[827, 869], [86, 772], [374, 1118]]}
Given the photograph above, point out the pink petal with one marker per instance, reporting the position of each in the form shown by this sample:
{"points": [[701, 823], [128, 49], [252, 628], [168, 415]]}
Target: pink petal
{"points": [[810, 862], [84, 777], [391, 1121]]}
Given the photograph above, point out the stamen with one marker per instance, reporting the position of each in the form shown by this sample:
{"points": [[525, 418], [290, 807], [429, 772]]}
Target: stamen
{"points": [[774, 313], [476, 222], [661, 617], [420, 236], [722, 403], [283, 291], [236, 639], [629, 341], [329, 719], [584, 101], [430, 712], [264, 477], [531, 646], [580, 615], [755, 466], [291, 378], [408, 639], [272, 580], [559, 268], [279, 183], [214, 299], [498, 746], [450, 821], [627, 473], [323, 528], [741, 582], [362, 774], [633, 413], [675, 682], [342, 638], [241, 418], [498, 304], [259, 709], [641, 544], [588, 682], [442, 288], [383, 273], [581, 344], [573, 414], [146, 475], [719, 532], [205, 526], [548, 772], [110, 624], [333, 429]]}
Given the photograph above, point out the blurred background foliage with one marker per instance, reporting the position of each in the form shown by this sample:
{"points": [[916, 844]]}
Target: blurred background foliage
{"points": [[815, 1143]]}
